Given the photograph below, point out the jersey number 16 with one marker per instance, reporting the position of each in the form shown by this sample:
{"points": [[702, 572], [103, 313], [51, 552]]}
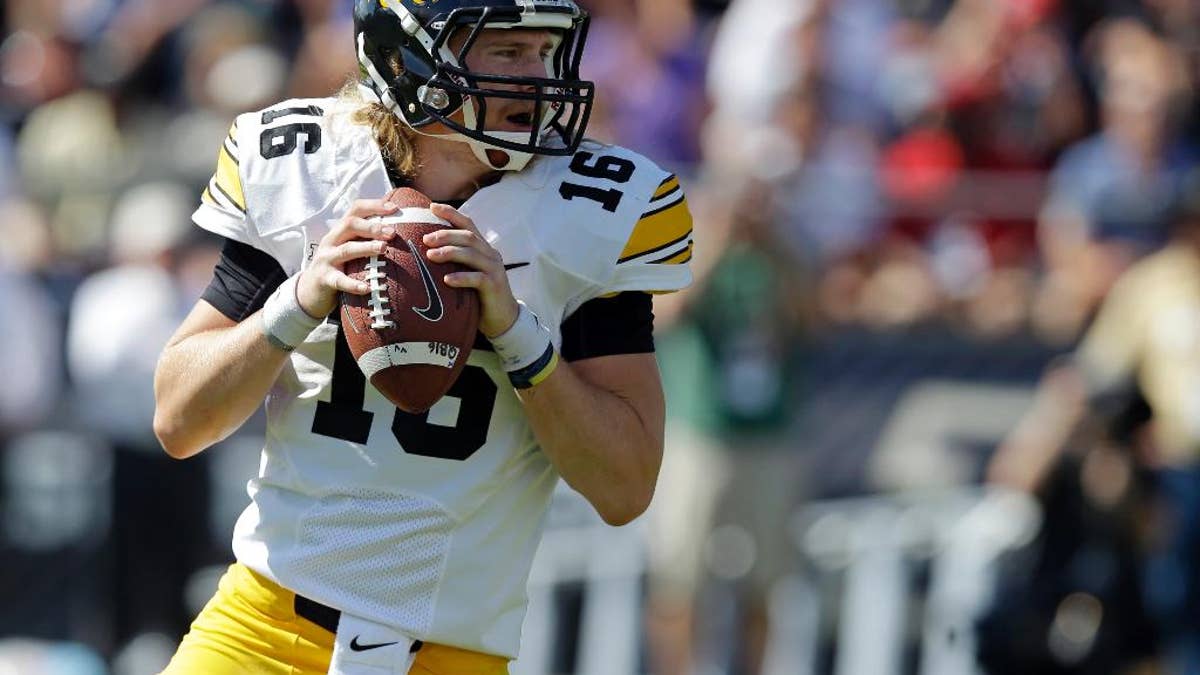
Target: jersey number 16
{"points": [[343, 416]]}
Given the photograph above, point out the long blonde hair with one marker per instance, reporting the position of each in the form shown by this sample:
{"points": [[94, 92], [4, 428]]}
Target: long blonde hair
{"points": [[395, 139]]}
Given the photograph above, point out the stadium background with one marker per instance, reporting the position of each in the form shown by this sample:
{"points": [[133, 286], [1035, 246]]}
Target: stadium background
{"points": [[906, 211]]}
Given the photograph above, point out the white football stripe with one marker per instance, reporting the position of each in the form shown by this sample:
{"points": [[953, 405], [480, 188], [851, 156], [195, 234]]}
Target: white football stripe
{"points": [[412, 214], [408, 354]]}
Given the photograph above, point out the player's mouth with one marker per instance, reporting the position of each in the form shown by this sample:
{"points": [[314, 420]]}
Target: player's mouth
{"points": [[519, 121]]}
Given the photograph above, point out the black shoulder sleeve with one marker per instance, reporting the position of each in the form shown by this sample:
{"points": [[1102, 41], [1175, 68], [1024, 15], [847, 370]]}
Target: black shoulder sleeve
{"points": [[243, 280], [622, 324]]}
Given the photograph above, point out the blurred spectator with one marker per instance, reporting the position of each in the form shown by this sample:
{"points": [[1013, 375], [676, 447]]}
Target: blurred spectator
{"points": [[9, 179], [121, 318], [35, 66], [71, 155], [755, 60], [30, 332], [811, 165], [129, 34], [324, 57], [732, 365], [693, 468], [1111, 193], [1019, 105], [1146, 336], [852, 47], [1076, 607], [647, 58]]}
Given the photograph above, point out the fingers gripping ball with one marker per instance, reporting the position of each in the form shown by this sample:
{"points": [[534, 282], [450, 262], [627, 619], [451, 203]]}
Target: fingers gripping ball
{"points": [[412, 334]]}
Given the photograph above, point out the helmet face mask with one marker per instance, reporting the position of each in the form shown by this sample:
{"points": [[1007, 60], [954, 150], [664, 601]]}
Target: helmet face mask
{"points": [[406, 60]]}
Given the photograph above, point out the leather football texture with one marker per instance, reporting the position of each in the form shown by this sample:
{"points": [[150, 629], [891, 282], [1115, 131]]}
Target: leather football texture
{"points": [[412, 334]]}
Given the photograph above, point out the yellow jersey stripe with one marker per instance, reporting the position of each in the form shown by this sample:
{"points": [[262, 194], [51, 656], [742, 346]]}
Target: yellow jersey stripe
{"points": [[673, 244], [667, 186], [220, 198], [678, 258], [231, 148], [664, 204], [228, 180], [658, 229], [207, 197]]}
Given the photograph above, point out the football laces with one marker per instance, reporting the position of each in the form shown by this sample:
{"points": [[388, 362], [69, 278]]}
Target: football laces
{"points": [[379, 300]]}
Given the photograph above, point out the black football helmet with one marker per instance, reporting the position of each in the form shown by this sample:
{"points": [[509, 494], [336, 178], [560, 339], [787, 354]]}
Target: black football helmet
{"points": [[406, 63]]}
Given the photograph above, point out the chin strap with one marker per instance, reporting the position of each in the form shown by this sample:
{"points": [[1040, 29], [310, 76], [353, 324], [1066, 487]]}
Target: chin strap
{"points": [[484, 152], [514, 161]]}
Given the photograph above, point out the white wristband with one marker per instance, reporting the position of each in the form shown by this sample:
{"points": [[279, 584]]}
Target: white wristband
{"points": [[285, 323], [522, 344]]}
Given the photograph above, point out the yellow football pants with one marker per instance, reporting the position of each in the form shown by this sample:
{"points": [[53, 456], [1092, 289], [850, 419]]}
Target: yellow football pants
{"points": [[250, 627]]}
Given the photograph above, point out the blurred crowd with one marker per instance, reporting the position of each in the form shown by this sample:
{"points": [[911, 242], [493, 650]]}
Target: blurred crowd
{"points": [[885, 192]]}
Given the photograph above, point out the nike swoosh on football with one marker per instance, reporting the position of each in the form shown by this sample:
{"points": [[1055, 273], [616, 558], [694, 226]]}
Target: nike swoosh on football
{"points": [[355, 646], [513, 266], [433, 310]]}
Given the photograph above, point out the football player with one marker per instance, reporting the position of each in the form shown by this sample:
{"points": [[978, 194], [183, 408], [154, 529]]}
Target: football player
{"points": [[379, 541]]}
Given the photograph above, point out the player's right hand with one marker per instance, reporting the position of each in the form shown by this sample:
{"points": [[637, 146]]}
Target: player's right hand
{"points": [[356, 235]]}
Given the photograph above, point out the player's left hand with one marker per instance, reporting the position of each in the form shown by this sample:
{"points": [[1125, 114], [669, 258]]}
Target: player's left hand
{"points": [[465, 245]]}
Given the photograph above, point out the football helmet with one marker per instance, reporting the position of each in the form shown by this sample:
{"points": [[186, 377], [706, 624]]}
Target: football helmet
{"points": [[406, 63]]}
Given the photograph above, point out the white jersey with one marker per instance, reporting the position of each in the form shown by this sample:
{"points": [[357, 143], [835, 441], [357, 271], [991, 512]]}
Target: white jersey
{"points": [[426, 523]]}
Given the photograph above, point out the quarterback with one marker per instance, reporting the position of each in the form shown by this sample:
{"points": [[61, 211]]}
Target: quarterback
{"points": [[379, 541]]}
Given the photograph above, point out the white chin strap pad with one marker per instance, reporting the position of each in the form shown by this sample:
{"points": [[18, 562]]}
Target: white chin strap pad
{"points": [[483, 151], [516, 160]]}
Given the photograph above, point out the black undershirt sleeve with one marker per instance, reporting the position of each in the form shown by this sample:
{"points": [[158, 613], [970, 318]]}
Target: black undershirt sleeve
{"points": [[622, 324], [243, 280]]}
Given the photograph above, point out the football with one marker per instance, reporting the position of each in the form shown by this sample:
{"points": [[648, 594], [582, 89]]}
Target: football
{"points": [[412, 334]]}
